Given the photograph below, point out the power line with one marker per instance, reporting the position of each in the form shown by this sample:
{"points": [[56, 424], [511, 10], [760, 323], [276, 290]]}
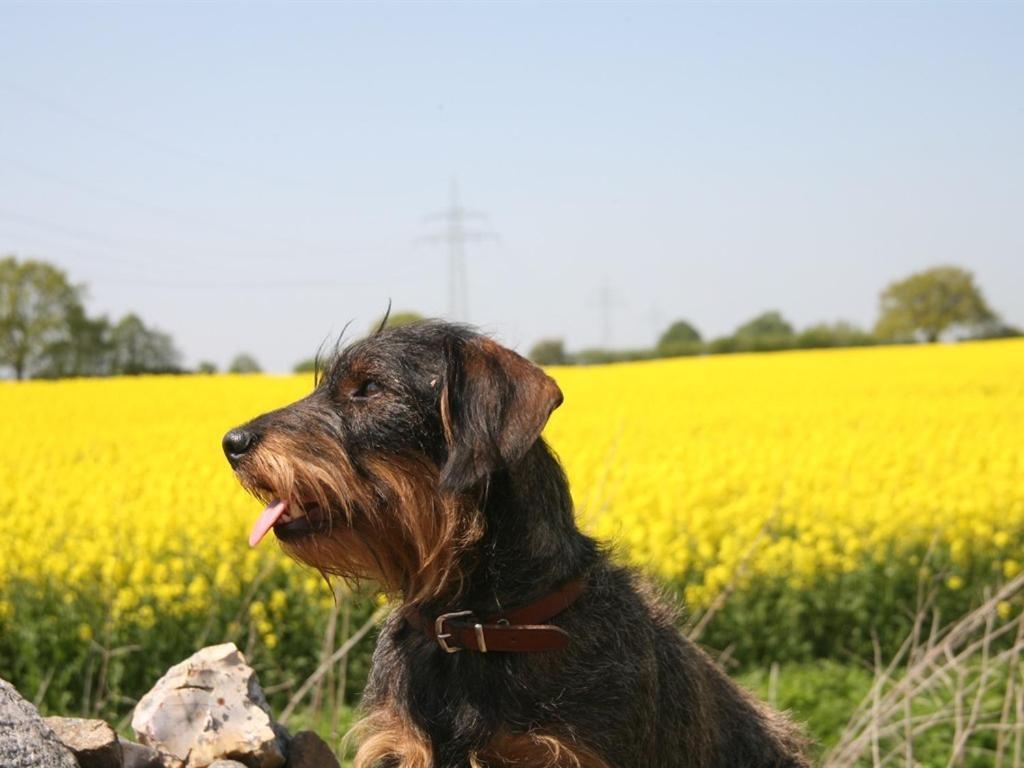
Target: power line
{"points": [[155, 145], [328, 284], [455, 235], [148, 251], [147, 256], [87, 236], [180, 218]]}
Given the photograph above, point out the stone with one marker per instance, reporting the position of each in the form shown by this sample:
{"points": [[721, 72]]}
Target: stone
{"points": [[93, 742], [307, 750], [141, 756], [210, 707], [226, 764], [25, 740]]}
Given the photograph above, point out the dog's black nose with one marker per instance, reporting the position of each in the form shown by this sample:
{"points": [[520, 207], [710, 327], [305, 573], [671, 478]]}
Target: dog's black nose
{"points": [[236, 443]]}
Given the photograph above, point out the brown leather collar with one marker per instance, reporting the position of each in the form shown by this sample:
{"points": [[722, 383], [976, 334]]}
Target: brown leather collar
{"points": [[518, 630]]}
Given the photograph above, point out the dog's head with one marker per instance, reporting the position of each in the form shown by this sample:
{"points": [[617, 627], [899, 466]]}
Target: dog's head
{"points": [[381, 470]]}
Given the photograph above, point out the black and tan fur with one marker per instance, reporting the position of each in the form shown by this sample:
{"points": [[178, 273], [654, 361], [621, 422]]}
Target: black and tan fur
{"points": [[419, 463]]}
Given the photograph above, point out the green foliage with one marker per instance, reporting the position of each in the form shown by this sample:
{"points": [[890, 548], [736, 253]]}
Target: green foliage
{"points": [[994, 329], [680, 338], [308, 365], [727, 344], [549, 352], [243, 362], [767, 332], [46, 333], [207, 367], [722, 345], [136, 348], [84, 350], [842, 615], [94, 347], [36, 300], [822, 695], [839, 334], [928, 303], [767, 325], [599, 356], [43, 648]]}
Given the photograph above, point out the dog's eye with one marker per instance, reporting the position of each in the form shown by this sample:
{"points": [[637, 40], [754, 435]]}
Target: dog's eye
{"points": [[368, 388]]}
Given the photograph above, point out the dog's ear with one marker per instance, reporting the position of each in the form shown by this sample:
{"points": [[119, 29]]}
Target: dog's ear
{"points": [[494, 404]]}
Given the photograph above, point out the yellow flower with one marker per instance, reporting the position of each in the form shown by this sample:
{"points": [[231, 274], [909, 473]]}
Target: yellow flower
{"points": [[278, 600], [714, 473]]}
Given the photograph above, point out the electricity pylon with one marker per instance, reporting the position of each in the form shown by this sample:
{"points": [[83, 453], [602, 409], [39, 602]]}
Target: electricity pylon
{"points": [[456, 234]]}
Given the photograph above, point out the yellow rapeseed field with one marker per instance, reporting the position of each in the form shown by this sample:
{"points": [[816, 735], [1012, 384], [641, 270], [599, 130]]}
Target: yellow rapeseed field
{"points": [[808, 482], [801, 464]]}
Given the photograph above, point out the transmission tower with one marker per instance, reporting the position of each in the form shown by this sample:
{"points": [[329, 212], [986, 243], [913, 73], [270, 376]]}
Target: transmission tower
{"points": [[455, 235], [606, 302]]}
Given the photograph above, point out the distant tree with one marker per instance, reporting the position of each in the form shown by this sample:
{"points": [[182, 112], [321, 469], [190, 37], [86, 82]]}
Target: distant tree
{"points": [[138, 349], [305, 366], [767, 331], [926, 304], [85, 349], [995, 329], [681, 338], [768, 325], [600, 356], [838, 334], [207, 367], [548, 352], [397, 319], [723, 345], [35, 301], [244, 363]]}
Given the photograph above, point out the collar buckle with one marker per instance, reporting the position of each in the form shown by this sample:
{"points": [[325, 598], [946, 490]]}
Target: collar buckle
{"points": [[442, 636]]}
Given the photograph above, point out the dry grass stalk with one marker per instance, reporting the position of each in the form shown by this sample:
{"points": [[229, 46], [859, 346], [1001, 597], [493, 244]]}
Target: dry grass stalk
{"points": [[946, 680], [1009, 695], [330, 661]]}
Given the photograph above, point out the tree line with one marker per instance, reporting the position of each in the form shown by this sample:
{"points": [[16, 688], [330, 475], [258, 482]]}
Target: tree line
{"points": [[45, 331], [922, 307]]}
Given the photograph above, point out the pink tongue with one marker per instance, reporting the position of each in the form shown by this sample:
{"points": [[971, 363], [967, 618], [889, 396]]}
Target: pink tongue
{"points": [[266, 521]]}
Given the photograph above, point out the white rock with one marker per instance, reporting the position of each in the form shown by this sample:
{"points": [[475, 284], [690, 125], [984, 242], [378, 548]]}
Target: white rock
{"points": [[210, 707]]}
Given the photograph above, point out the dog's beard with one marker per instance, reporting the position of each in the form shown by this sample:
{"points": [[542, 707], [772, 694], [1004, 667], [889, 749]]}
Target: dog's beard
{"points": [[385, 521]]}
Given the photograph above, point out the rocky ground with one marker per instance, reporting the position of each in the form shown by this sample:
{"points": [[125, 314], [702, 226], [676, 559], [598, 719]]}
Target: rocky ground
{"points": [[206, 712]]}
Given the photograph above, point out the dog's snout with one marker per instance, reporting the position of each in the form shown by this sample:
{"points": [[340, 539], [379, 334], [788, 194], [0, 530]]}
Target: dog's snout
{"points": [[236, 443]]}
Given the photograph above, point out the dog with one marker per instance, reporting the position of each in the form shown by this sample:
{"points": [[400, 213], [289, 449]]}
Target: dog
{"points": [[417, 462]]}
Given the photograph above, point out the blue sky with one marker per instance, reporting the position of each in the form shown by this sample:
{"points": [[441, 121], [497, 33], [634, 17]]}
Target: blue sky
{"points": [[252, 177]]}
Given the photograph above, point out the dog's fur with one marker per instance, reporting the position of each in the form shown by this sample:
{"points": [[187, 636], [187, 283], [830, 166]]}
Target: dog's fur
{"points": [[419, 464]]}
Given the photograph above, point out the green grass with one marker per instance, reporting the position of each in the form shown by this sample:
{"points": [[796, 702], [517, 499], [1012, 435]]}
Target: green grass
{"points": [[821, 695]]}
